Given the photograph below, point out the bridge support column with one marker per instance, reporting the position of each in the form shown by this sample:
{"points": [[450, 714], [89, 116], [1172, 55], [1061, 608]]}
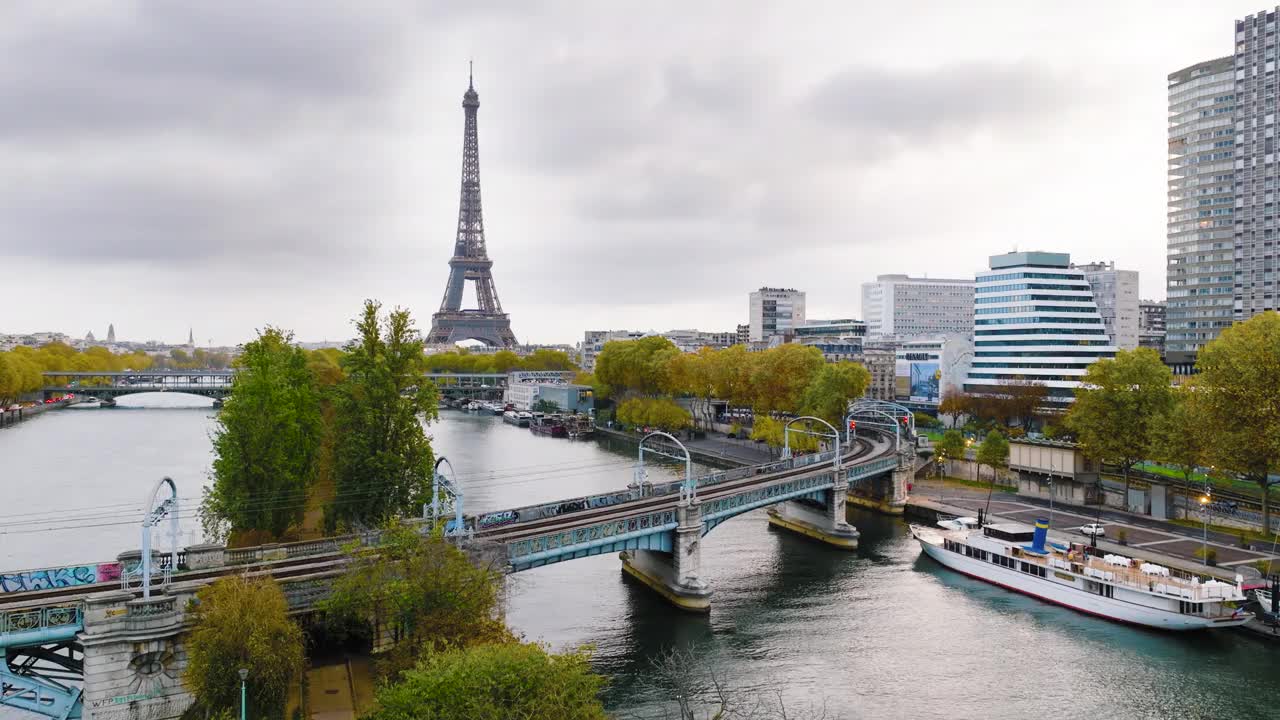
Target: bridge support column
{"points": [[826, 524], [676, 576], [887, 493], [134, 657]]}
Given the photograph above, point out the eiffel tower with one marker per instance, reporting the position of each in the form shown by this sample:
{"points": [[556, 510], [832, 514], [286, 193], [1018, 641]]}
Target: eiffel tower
{"points": [[470, 260]]}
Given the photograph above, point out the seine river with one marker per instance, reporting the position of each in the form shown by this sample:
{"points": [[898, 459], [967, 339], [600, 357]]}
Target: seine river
{"points": [[880, 633]]}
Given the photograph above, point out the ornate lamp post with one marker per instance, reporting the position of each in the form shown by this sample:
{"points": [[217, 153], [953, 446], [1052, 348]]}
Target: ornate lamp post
{"points": [[689, 489]]}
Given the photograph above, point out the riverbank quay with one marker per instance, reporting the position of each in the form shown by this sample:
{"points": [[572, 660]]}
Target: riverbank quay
{"points": [[10, 418], [714, 449]]}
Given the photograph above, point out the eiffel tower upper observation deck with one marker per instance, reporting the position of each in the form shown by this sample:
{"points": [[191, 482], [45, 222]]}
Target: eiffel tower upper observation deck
{"points": [[470, 260]]}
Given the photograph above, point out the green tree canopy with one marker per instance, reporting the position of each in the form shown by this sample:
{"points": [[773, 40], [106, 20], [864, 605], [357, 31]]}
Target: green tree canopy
{"points": [[265, 442], [1178, 437], [831, 389], [782, 374], [1237, 391], [952, 446], [635, 367], [382, 457], [661, 413], [993, 452], [495, 682], [1116, 407], [424, 585], [242, 623], [19, 375]]}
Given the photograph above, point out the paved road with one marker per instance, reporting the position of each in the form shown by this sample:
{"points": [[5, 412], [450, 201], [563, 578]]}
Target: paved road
{"points": [[329, 693]]}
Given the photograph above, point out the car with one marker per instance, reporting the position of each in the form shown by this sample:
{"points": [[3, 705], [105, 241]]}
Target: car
{"points": [[1093, 529]]}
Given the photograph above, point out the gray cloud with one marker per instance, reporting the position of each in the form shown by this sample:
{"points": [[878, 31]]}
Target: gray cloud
{"points": [[940, 102], [653, 155]]}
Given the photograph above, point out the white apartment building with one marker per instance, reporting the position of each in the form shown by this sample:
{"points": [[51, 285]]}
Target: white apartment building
{"points": [[775, 311], [593, 342], [1116, 293], [902, 307], [1035, 320]]}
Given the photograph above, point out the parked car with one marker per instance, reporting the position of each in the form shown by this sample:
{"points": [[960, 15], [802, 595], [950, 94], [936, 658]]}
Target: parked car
{"points": [[1093, 529]]}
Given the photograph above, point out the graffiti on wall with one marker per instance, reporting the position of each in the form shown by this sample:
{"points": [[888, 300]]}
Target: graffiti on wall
{"points": [[59, 577]]}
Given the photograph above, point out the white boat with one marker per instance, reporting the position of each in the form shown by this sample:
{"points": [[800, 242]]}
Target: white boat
{"points": [[85, 403], [523, 418], [511, 417], [1016, 557], [958, 523], [1263, 596]]}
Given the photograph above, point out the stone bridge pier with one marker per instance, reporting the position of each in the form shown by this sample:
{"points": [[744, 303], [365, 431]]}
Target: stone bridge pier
{"points": [[823, 521], [887, 492], [134, 656], [675, 575]]}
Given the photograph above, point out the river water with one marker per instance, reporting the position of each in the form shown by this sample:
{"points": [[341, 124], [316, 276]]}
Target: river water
{"points": [[879, 633]]}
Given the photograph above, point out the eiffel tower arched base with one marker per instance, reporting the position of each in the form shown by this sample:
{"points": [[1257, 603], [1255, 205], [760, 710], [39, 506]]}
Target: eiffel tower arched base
{"points": [[491, 329]]}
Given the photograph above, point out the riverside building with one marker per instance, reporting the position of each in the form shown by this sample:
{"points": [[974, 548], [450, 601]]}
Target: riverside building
{"points": [[1035, 321], [1201, 229], [902, 307], [775, 311]]}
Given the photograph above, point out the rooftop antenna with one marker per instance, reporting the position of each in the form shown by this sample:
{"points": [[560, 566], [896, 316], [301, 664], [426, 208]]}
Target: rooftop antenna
{"points": [[471, 71]]}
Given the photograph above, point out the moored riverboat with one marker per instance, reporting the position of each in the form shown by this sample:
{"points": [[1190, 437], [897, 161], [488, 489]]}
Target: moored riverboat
{"points": [[552, 425], [1016, 557]]}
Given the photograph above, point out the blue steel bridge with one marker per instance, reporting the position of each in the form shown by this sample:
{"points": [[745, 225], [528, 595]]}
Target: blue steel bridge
{"points": [[78, 646]]}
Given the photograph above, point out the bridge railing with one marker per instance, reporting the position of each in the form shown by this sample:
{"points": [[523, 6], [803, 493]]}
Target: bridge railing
{"points": [[37, 619]]}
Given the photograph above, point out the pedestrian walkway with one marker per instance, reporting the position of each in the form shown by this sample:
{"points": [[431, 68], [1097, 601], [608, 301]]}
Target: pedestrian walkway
{"points": [[329, 693]]}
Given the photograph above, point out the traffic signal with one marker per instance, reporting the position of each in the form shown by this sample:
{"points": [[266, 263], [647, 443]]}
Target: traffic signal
{"points": [[853, 424]]}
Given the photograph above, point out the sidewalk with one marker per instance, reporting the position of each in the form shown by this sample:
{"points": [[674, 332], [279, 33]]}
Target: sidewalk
{"points": [[1144, 535]]}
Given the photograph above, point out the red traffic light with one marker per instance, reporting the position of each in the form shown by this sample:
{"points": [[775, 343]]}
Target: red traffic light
{"points": [[853, 425]]}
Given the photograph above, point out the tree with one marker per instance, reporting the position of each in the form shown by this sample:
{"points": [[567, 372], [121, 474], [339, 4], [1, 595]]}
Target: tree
{"points": [[18, 376], [731, 373], [383, 461], [952, 445], [544, 405], [423, 585], [773, 432], [544, 359], [495, 682], [1177, 436], [1116, 407], [954, 404], [993, 452], [635, 367], [662, 413], [831, 389], [242, 623], [781, 376], [1236, 390], [265, 441]]}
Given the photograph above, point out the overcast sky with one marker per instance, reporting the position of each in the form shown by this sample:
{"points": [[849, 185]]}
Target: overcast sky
{"points": [[227, 165]]}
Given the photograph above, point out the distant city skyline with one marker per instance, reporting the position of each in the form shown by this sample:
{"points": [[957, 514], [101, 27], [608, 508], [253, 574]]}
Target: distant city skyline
{"points": [[636, 173]]}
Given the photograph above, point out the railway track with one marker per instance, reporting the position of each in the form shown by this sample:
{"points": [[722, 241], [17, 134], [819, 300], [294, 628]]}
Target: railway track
{"points": [[863, 449], [580, 518], [291, 567]]}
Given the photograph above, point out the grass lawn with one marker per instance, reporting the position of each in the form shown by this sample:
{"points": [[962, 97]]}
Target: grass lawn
{"points": [[1243, 487]]}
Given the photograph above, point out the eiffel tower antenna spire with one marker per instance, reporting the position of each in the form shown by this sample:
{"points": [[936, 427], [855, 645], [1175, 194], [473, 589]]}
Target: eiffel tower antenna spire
{"points": [[470, 261]]}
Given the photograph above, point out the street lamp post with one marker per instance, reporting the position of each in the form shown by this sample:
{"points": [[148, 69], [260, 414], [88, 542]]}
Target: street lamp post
{"points": [[835, 434], [689, 488], [244, 675], [1204, 515]]}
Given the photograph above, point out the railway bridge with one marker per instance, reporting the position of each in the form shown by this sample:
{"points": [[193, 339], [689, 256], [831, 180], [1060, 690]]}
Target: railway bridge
{"points": [[86, 641]]}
